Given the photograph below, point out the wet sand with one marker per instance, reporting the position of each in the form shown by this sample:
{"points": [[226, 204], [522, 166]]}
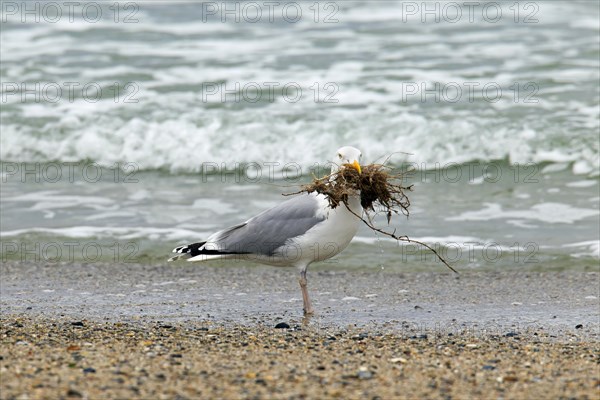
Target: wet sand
{"points": [[133, 331]]}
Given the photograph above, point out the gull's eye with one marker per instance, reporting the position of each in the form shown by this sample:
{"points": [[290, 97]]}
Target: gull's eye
{"points": [[360, 156], [340, 156]]}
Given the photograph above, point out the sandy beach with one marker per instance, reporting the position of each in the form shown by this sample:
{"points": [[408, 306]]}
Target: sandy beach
{"points": [[134, 331], [62, 358]]}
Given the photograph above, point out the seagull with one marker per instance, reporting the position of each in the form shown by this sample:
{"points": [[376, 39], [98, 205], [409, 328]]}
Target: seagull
{"points": [[296, 233]]}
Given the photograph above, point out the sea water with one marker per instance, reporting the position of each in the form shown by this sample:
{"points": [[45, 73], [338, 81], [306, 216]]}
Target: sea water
{"points": [[156, 124]]}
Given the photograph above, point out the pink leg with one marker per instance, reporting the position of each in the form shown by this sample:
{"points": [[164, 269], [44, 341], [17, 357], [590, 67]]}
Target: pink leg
{"points": [[307, 306]]}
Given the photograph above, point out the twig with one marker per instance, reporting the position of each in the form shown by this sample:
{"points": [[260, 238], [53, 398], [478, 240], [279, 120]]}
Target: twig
{"points": [[388, 157], [375, 189], [402, 238]]}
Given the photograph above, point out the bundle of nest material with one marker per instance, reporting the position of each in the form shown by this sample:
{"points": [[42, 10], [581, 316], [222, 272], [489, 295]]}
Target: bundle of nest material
{"points": [[376, 185], [379, 189]]}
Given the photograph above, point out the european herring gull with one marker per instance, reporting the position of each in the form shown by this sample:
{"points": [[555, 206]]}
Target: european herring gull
{"points": [[297, 232]]}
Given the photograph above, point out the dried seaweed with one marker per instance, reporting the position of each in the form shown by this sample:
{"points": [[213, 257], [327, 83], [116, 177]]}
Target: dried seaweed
{"points": [[379, 189]]}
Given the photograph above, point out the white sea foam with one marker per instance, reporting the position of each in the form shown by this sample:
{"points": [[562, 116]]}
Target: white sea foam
{"points": [[591, 248], [125, 233], [452, 240], [585, 183], [52, 199], [172, 126], [552, 213]]}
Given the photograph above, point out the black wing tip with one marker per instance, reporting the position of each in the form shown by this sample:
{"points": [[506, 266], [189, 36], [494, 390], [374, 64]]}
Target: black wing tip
{"points": [[195, 249], [189, 248], [181, 249]]}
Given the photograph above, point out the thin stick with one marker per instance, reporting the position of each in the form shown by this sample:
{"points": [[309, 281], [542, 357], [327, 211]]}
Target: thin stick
{"points": [[402, 238], [389, 201], [391, 154]]}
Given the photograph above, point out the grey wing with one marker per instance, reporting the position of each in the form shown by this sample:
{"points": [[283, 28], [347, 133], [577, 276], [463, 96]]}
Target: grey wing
{"points": [[271, 229]]}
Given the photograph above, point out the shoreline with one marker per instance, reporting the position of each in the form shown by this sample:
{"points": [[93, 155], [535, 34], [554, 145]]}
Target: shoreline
{"points": [[479, 301], [89, 331]]}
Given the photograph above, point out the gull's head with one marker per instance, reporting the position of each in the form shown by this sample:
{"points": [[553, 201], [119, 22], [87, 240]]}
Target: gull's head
{"points": [[346, 156]]}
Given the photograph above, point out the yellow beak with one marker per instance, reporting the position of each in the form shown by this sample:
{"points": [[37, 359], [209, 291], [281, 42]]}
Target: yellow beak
{"points": [[356, 166]]}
